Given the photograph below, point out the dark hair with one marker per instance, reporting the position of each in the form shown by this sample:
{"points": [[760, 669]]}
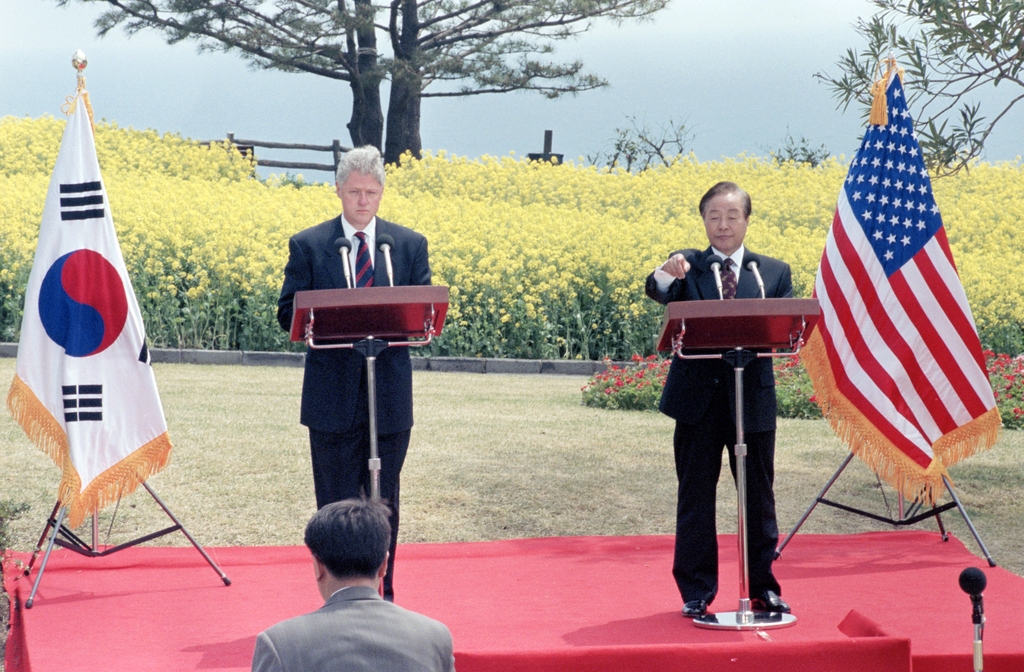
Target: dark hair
{"points": [[726, 188], [350, 537]]}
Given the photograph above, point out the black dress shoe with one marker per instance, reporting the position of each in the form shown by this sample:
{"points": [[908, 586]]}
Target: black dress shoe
{"points": [[695, 608], [769, 601]]}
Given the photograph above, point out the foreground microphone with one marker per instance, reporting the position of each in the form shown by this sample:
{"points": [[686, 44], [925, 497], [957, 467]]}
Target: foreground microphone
{"points": [[384, 244], [344, 246], [715, 262], [753, 266], [973, 582]]}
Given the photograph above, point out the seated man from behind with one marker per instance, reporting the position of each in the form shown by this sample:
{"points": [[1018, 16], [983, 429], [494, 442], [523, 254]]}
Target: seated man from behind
{"points": [[355, 629]]}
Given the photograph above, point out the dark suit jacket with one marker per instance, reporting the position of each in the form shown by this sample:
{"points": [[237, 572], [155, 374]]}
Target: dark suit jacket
{"points": [[334, 384], [690, 386], [355, 630]]}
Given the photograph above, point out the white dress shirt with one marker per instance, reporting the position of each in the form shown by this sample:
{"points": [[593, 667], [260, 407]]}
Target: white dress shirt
{"points": [[371, 238], [665, 280]]}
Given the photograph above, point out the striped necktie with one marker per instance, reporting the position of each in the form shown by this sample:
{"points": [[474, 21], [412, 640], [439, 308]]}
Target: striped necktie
{"points": [[364, 266], [728, 280]]}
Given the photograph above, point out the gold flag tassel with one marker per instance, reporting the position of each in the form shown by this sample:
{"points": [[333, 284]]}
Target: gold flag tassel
{"points": [[879, 103]]}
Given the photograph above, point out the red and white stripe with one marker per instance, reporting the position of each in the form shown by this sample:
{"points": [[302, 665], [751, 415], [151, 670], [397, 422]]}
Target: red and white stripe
{"points": [[904, 349]]}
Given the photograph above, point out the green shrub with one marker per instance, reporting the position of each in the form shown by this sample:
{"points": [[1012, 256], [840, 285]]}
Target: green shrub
{"points": [[630, 387], [637, 386], [794, 390], [1007, 377]]}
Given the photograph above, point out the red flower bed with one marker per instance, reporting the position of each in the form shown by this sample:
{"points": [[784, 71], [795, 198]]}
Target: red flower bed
{"points": [[637, 386]]}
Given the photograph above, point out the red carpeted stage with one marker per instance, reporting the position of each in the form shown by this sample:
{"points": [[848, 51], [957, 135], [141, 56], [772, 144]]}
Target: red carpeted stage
{"points": [[874, 602]]}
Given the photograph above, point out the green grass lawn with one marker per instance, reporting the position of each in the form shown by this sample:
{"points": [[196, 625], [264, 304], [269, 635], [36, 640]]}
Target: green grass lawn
{"points": [[492, 457]]}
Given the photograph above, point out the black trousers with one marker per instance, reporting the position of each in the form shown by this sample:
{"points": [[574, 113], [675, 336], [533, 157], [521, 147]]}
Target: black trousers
{"points": [[698, 455], [341, 471]]}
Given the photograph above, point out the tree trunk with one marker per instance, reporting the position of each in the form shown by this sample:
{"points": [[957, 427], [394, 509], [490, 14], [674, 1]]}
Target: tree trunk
{"points": [[366, 127], [406, 85], [403, 118]]}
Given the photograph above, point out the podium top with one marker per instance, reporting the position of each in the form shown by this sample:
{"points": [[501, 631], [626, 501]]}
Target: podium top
{"points": [[738, 323], [386, 313]]}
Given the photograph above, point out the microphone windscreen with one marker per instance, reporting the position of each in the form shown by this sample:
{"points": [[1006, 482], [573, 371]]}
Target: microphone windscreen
{"points": [[714, 259], [973, 581], [751, 265], [342, 243], [385, 239]]}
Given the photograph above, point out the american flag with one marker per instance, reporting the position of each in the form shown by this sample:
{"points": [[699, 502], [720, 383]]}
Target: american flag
{"points": [[896, 361]]}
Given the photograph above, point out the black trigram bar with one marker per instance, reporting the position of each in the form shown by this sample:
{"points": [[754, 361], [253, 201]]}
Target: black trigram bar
{"points": [[79, 187], [74, 402], [67, 214], [78, 201]]}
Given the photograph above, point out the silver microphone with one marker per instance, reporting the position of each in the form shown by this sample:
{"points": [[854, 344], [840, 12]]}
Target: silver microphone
{"points": [[344, 246], [384, 244], [715, 262], [753, 266]]}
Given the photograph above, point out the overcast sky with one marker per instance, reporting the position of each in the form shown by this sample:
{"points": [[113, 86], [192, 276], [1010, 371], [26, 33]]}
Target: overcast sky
{"points": [[739, 72]]}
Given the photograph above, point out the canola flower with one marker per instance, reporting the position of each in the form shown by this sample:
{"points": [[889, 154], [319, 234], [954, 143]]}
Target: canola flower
{"points": [[542, 261]]}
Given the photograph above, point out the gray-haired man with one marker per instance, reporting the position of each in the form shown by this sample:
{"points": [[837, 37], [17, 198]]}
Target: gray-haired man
{"points": [[334, 405], [355, 629]]}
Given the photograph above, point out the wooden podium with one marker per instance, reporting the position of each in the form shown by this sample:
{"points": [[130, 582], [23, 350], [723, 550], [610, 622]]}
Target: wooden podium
{"points": [[368, 320], [413, 314], [739, 331]]}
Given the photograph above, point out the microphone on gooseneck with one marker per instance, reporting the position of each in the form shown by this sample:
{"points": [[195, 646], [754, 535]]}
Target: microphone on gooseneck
{"points": [[752, 266], [715, 263], [973, 582], [344, 246], [384, 244]]}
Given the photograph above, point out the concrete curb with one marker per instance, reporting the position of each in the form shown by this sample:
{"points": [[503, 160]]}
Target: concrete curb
{"points": [[563, 367]]}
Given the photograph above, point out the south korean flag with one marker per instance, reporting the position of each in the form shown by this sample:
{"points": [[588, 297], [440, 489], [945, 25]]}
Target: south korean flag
{"points": [[84, 390]]}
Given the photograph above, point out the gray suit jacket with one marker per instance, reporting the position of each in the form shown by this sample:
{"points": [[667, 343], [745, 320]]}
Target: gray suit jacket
{"points": [[355, 631]]}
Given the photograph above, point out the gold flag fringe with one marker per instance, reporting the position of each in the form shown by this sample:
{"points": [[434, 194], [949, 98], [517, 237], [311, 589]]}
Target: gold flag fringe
{"points": [[116, 482], [865, 440], [976, 436], [39, 424]]}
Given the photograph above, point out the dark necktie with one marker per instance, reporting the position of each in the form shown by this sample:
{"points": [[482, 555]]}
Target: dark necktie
{"points": [[728, 280], [364, 267]]}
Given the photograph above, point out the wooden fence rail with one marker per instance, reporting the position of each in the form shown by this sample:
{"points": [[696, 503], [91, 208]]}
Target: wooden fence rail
{"points": [[335, 148]]}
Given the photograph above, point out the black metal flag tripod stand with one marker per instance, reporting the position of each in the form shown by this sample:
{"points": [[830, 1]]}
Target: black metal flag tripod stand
{"points": [[905, 516], [59, 534]]}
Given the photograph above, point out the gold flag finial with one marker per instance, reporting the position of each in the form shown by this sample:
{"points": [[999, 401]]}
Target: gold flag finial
{"points": [[79, 62]]}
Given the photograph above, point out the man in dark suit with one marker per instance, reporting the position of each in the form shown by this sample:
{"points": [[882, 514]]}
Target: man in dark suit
{"points": [[355, 629], [700, 396], [334, 399]]}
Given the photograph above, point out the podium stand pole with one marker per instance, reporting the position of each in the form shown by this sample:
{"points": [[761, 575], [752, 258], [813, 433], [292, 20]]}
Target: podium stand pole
{"points": [[743, 618], [739, 358], [370, 347]]}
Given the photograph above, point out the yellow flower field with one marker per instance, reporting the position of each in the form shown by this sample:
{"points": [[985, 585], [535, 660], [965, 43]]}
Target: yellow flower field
{"points": [[542, 261]]}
